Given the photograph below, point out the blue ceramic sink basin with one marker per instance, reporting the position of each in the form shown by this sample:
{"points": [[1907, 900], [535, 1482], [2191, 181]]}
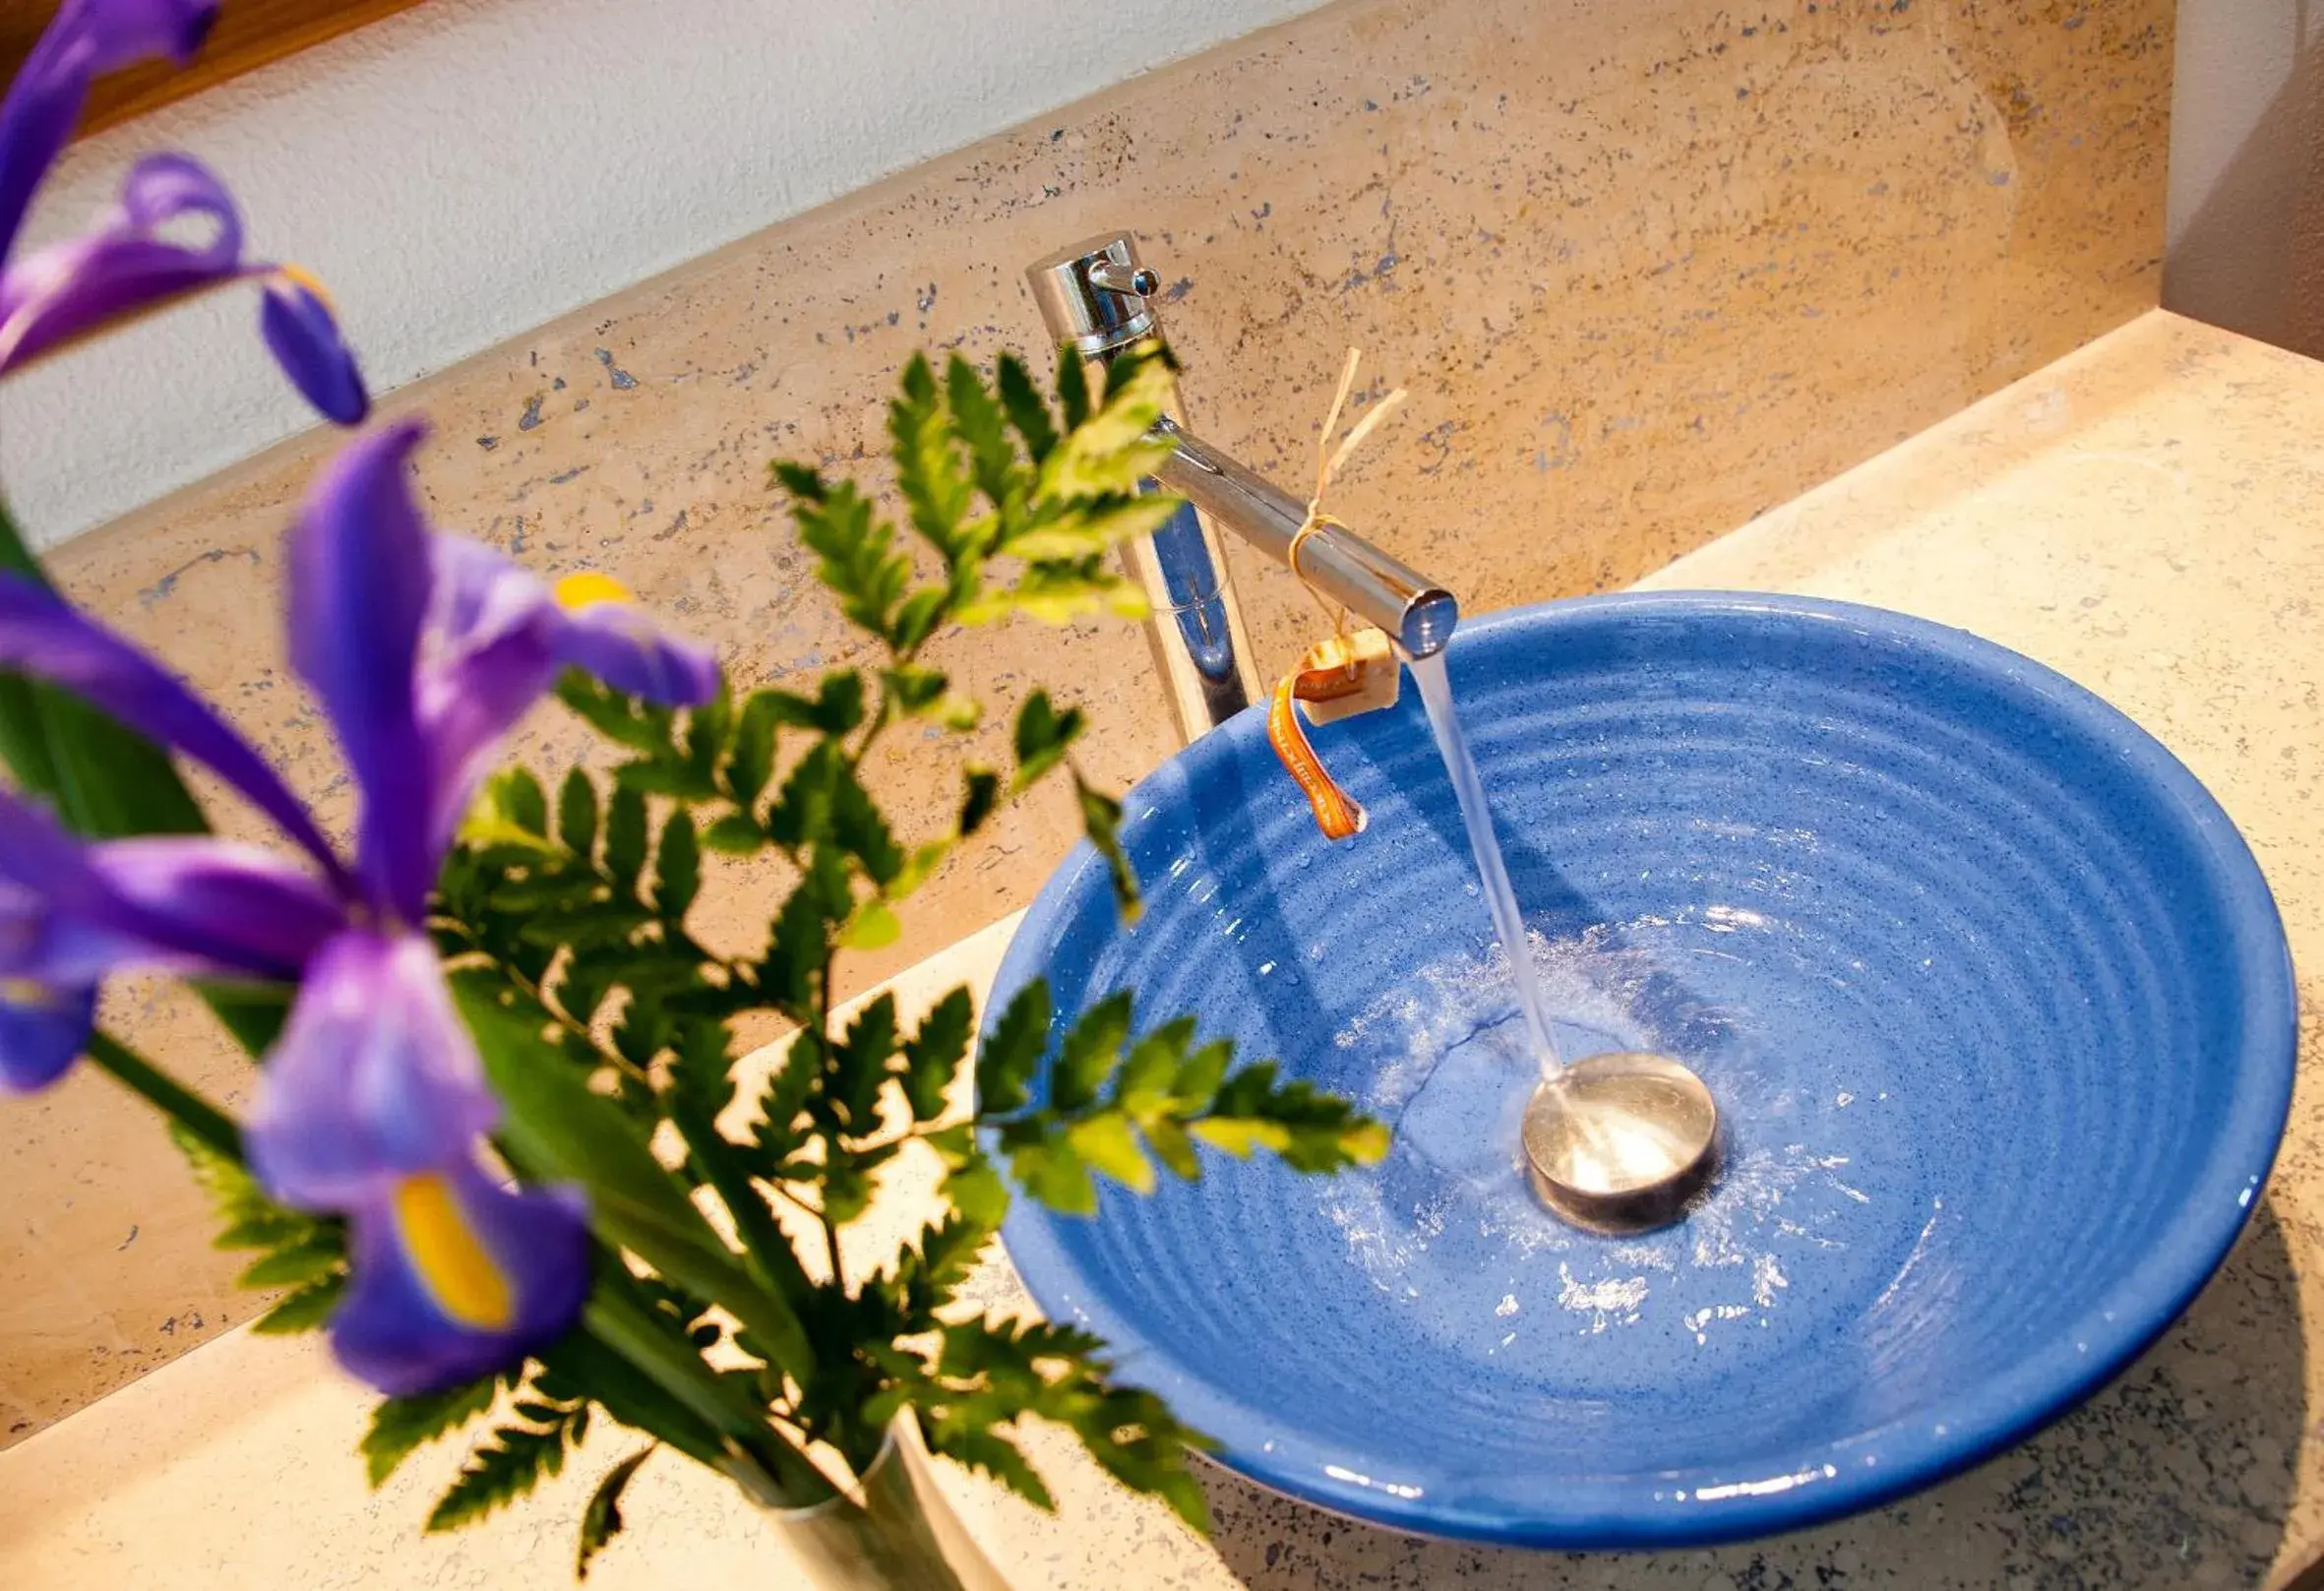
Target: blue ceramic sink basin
{"points": [[1995, 1002]]}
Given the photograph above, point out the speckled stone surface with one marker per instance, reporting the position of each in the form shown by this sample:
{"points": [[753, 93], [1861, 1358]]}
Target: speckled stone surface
{"points": [[1648, 269], [2147, 516]]}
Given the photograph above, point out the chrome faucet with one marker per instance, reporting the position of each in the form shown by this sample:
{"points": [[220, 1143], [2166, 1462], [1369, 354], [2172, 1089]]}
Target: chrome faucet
{"points": [[1097, 299]]}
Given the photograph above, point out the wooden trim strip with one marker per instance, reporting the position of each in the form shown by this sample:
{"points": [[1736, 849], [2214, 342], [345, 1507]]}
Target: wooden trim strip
{"points": [[249, 35]]}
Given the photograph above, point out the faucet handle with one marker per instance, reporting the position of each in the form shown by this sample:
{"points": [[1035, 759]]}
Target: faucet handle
{"points": [[1131, 282], [1092, 296]]}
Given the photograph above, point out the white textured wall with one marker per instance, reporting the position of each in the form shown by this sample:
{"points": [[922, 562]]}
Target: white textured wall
{"points": [[473, 167], [2246, 228]]}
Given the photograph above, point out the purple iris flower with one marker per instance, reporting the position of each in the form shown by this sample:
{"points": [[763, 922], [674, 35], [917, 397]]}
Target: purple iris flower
{"points": [[424, 650], [82, 41], [135, 257]]}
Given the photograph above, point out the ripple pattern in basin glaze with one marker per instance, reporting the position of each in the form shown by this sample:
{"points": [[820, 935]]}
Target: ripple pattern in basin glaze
{"points": [[1995, 1004]]}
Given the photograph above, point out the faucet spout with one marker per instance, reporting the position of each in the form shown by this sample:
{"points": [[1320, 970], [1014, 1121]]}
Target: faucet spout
{"points": [[1416, 612], [1095, 299]]}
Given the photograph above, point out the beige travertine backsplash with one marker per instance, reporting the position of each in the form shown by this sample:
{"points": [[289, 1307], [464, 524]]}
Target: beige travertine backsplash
{"points": [[1647, 270]]}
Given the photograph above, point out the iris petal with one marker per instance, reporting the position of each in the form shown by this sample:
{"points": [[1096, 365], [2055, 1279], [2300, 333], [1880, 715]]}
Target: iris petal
{"points": [[487, 660], [85, 39], [42, 859], [359, 584], [43, 637], [44, 949], [72, 912], [125, 263], [305, 340], [375, 1078], [619, 644], [455, 1276], [41, 1031], [126, 32], [497, 639], [226, 907]]}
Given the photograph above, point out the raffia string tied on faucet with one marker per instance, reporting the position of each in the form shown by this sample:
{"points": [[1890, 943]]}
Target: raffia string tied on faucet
{"points": [[1348, 671]]}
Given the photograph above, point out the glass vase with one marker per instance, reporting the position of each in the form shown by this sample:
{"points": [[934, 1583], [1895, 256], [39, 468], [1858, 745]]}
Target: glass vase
{"points": [[894, 1532]]}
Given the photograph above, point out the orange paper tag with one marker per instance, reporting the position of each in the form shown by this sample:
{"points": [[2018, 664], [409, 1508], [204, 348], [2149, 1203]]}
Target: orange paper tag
{"points": [[1336, 813]]}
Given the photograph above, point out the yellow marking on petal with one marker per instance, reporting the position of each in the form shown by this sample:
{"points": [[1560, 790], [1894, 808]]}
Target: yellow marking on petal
{"points": [[306, 278], [28, 992], [451, 1264], [590, 588]]}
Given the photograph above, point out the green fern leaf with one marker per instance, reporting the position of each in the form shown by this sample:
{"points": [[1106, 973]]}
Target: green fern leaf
{"points": [[932, 1054], [602, 1520], [1006, 1059], [1028, 411], [306, 1309], [401, 1426], [504, 1467], [988, 1451], [625, 838], [677, 868], [313, 1257], [576, 814]]}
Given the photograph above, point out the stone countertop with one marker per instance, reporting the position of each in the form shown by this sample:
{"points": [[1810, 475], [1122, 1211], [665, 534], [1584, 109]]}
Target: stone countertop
{"points": [[2146, 515]]}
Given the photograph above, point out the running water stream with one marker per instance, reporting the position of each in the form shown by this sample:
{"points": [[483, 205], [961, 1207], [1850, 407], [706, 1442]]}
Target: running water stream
{"points": [[1436, 695]]}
